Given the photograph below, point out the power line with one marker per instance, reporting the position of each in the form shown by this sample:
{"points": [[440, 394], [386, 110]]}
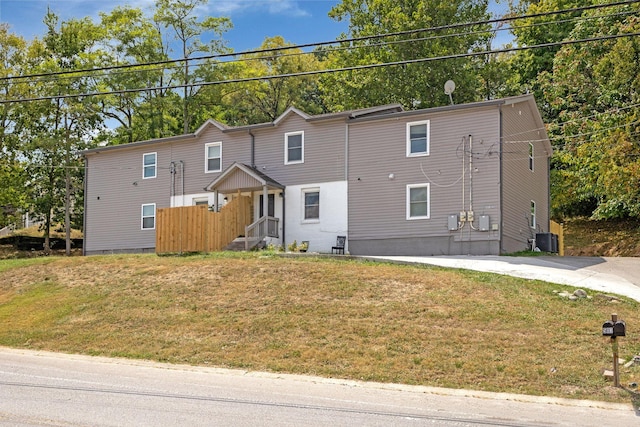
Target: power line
{"points": [[335, 70], [326, 43], [336, 49]]}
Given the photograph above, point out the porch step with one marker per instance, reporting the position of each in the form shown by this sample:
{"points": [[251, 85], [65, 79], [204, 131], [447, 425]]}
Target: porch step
{"points": [[238, 244]]}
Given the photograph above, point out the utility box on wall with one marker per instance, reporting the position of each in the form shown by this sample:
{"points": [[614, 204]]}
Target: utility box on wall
{"points": [[484, 222], [452, 222]]}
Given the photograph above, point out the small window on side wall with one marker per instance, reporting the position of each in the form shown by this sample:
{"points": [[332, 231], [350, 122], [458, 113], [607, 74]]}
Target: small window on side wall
{"points": [[418, 138], [311, 204], [293, 148], [532, 224], [531, 157], [213, 157], [418, 201], [148, 216], [149, 165]]}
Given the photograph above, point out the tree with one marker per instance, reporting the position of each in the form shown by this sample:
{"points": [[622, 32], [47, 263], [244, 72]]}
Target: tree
{"points": [[528, 64], [413, 85], [12, 64], [594, 91], [130, 38], [180, 16], [60, 126], [265, 100]]}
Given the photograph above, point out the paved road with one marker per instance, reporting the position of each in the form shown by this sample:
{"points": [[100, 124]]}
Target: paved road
{"points": [[610, 275], [47, 389]]}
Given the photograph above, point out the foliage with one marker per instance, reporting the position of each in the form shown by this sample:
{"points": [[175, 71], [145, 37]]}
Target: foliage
{"points": [[181, 17], [414, 85], [54, 128], [594, 90], [261, 101], [539, 30], [588, 92], [12, 175]]}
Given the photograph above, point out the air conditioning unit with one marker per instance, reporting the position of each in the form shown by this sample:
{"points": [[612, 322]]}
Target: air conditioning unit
{"points": [[547, 242]]}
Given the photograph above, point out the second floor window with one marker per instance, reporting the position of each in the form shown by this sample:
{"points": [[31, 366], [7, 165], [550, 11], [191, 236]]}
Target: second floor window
{"points": [[531, 156], [149, 165], [213, 157], [293, 148], [418, 138]]}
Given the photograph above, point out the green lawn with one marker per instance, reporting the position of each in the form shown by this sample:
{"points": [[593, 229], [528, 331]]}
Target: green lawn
{"points": [[330, 317]]}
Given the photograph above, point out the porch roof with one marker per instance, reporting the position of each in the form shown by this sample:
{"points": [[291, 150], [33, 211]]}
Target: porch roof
{"points": [[241, 177]]}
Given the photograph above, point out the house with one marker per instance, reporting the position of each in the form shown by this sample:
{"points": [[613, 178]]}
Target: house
{"points": [[459, 179]]}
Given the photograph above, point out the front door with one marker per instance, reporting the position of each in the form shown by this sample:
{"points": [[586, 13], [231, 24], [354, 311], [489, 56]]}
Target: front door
{"points": [[271, 205]]}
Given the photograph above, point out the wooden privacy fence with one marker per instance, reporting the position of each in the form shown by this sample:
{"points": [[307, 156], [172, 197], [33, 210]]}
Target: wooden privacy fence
{"points": [[196, 229], [556, 228]]}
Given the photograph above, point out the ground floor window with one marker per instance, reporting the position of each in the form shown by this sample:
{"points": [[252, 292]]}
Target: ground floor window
{"points": [[533, 214], [149, 216], [311, 204], [418, 203]]}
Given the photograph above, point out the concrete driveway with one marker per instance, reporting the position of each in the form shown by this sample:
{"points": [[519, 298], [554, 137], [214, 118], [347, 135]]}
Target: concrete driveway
{"points": [[604, 274]]}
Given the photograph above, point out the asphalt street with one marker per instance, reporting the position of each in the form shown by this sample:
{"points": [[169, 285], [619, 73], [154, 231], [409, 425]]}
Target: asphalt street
{"points": [[50, 389], [607, 275]]}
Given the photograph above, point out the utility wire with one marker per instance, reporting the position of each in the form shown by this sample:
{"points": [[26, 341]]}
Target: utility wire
{"points": [[335, 70], [326, 43], [337, 49]]}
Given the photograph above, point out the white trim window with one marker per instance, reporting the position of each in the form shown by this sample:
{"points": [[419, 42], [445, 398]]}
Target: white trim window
{"points": [[213, 157], [532, 224], [531, 157], [418, 138], [311, 204], [148, 217], [149, 165], [293, 147], [418, 201]]}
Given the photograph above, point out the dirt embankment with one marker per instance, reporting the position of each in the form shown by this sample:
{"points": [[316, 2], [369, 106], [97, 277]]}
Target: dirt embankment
{"points": [[612, 238]]}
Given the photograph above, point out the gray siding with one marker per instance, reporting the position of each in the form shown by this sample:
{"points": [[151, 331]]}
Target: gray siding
{"points": [[324, 151], [114, 202], [236, 147], [115, 194], [521, 185], [377, 204], [377, 176]]}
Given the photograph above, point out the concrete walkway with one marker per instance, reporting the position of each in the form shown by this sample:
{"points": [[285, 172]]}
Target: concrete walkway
{"points": [[608, 275]]}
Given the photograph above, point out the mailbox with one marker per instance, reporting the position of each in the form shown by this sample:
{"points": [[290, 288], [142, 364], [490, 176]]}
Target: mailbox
{"points": [[619, 328], [607, 328]]}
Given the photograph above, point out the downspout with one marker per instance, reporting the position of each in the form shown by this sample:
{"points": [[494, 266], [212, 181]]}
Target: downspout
{"points": [[84, 216], [284, 215], [346, 153], [182, 179], [253, 149], [172, 172], [501, 195], [471, 227], [548, 192], [346, 169]]}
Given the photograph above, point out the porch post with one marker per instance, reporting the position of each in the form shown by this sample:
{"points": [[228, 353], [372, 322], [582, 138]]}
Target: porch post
{"points": [[265, 201]]}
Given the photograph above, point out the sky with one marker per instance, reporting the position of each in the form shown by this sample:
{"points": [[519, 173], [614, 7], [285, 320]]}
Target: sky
{"points": [[298, 21]]}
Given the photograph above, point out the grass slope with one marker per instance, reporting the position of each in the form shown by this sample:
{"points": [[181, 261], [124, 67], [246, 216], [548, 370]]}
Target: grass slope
{"points": [[320, 316]]}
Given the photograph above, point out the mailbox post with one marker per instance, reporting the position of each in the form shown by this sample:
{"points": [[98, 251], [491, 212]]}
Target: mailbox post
{"points": [[614, 328]]}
